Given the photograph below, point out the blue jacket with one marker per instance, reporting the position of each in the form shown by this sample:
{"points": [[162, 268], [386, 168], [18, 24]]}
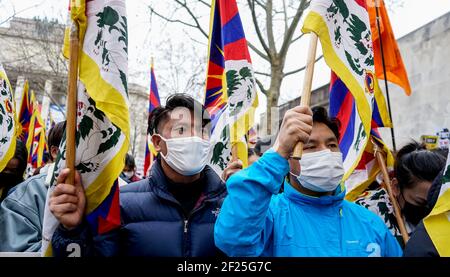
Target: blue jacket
{"points": [[256, 221], [21, 215], [153, 223]]}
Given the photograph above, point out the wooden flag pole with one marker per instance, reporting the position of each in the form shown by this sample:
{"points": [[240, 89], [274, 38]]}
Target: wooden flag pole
{"points": [[72, 103], [387, 181], [234, 153], [307, 84]]}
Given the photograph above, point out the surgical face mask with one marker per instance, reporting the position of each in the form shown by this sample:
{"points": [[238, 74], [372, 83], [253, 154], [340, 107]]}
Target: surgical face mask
{"points": [[321, 171], [187, 155], [413, 213], [128, 174]]}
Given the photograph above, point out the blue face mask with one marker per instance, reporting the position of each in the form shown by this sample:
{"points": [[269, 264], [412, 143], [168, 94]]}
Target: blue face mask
{"points": [[321, 171]]}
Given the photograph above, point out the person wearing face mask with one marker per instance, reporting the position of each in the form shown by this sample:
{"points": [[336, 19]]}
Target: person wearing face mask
{"points": [[417, 184], [129, 171], [14, 170], [310, 218], [415, 169], [22, 211], [173, 211]]}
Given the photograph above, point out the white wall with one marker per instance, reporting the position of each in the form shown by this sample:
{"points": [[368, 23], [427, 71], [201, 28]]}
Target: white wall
{"points": [[426, 55]]}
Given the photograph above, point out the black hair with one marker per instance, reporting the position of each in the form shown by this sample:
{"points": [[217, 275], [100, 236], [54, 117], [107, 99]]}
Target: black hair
{"points": [[56, 133], [320, 115], [160, 113], [21, 154], [129, 161], [415, 163], [251, 152]]}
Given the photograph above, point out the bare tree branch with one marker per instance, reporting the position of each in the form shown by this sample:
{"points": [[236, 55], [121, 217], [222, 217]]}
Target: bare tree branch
{"points": [[257, 51], [269, 26], [285, 16], [189, 11], [290, 33], [193, 16], [261, 86], [297, 38], [261, 4], [21, 11], [205, 3], [300, 69], [251, 3], [262, 73]]}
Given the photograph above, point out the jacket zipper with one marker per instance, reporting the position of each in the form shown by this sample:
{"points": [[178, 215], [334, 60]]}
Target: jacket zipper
{"points": [[186, 226]]}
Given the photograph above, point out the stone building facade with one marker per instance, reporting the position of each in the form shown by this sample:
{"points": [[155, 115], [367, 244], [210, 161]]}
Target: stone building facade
{"points": [[31, 49]]}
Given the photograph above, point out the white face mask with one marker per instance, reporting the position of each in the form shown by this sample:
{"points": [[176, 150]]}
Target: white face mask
{"points": [[128, 174], [188, 155], [321, 171]]}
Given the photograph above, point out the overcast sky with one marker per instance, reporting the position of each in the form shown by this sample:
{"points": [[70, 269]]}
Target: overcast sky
{"points": [[147, 37]]}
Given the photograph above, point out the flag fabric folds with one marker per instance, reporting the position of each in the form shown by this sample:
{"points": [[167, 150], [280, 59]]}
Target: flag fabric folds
{"points": [[37, 140], [25, 113], [8, 121], [395, 69], [437, 223], [153, 102], [343, 28], [231, 96], [102, 135], [343, 107]]}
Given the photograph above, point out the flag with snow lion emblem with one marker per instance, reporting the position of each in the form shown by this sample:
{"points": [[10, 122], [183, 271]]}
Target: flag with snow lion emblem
{"points": [[102, 135], [343, 28]]}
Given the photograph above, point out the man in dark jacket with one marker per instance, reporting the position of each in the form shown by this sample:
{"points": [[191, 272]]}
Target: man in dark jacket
{"points": [[172, 213]]}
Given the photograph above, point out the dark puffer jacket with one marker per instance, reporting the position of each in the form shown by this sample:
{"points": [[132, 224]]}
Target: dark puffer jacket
{"points": [[153, 223]]}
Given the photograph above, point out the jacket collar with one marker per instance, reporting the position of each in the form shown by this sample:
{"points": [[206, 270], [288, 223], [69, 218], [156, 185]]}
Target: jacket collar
{"points": [[214, 186], [435, 189], [295, 196]]}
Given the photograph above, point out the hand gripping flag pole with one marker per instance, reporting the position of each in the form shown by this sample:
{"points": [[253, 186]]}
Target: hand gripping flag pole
{"points": [[307, 84], [387, 184], [72, 103]]}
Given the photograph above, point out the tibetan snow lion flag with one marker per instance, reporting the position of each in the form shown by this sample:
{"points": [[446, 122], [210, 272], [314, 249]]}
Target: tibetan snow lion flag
{"points": [[153, 102], [25, 113], [102, 135], [231, 96], [343, 107], [437, 223], [37, 140], [343, 28], [8, 123]]}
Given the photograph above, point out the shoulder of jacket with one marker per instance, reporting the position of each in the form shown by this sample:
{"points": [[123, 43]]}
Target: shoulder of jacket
{"points": [[30, 187]]}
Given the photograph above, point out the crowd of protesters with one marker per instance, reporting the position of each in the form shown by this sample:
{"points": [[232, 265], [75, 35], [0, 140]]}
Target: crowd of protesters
{"points": [[277, 206]]}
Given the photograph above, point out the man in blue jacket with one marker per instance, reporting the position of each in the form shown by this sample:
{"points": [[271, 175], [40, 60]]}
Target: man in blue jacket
{"points": [[310, 218], [172, 213]]}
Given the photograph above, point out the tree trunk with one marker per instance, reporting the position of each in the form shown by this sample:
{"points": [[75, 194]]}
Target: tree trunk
{"points": [[272, 96]]}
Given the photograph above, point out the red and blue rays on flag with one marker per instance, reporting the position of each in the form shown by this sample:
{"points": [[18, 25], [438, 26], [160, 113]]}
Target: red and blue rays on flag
{"points": [[343, 107], [25, 113], [226, 42], [106, 216], [153, 102]]}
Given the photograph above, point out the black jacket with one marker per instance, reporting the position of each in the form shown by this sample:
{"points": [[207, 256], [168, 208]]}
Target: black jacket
{"points": [[153, 223]]}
